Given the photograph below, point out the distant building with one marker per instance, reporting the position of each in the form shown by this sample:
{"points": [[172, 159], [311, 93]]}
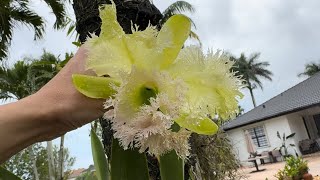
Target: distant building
{"points": [[296, 110], [76, 173]]}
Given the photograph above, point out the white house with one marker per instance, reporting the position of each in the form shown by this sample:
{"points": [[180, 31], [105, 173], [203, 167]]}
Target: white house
{"points": [[296, 110]]}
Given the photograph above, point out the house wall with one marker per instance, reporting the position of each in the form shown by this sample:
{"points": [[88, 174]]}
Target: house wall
{"points": [[308, 116], [313, 132], [271, 126], [297, 126]]}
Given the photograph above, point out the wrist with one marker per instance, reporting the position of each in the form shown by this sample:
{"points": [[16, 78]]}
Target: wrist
{"points": [[48, 116]]}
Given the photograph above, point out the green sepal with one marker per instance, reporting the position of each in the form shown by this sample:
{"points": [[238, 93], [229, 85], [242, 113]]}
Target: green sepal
{"points": [[94, 87], [200, 125]]}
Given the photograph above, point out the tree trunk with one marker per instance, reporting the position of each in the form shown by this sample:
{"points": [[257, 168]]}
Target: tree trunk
{"points": [[139, 12], [50, 160], [252, 97], [34, 162], [61, 159], [251, 92]]}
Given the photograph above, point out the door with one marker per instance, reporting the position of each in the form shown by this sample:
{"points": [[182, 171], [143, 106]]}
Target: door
{"points": [[317, 122]]}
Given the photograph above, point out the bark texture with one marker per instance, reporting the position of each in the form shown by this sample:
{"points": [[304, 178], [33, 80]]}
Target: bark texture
{"points": [[139, 12], [50, 160], [34, 162], [61, 159]]}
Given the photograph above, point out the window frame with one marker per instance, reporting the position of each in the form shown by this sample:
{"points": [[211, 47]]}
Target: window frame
{"points": [[257, 137]]}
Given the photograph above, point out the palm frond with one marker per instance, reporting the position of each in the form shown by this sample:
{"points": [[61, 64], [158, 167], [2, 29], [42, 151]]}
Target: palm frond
{"points": [[178, 7], [58, 9], [262, 64], [310, 69], [6, 27], [4, 97], [265, 74], [30, 19], [195, 36], [251, 70], [256, 82], [253, 57]]}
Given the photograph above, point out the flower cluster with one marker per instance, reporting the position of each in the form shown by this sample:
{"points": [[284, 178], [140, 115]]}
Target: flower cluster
{"points": [[158, 92]]}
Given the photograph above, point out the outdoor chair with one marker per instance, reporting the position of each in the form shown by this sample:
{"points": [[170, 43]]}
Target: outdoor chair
{"points": [[276, 154], [307, 146], [318, 143], [267, 159]]}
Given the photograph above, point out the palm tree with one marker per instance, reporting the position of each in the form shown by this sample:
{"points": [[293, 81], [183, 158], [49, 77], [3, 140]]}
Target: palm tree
{"points": [[310, 69], [16, 12], [179, 7], [251, 71]]}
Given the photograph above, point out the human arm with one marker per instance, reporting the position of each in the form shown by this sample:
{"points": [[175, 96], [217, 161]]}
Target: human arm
{"points": [[54, 110]]}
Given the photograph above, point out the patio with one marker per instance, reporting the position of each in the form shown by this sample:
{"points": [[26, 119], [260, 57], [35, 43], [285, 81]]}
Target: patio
{"points": [[271, 169]]}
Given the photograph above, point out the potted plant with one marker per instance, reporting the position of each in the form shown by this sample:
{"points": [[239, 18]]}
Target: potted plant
{"points": [[295, 168], [284, 145]]}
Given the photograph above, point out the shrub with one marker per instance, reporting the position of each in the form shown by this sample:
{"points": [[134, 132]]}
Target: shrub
{"points": [[294, 169]]}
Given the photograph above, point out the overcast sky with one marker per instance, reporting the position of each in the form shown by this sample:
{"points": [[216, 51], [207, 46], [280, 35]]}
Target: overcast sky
{"points": [[286, 33]]}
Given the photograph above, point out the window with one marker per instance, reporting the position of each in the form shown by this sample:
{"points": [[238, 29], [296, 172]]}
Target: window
{"points": [[258, 136]]}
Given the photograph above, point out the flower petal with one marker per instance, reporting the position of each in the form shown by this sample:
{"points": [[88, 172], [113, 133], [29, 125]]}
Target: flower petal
{"points": [[200, 125], [108, 57], [140, 46], [212, 88], [108, 53], [171, 39], [110, 28], [94, 87]]}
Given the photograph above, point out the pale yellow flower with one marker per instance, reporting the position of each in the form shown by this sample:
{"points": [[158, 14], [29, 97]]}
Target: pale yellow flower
{"points": [[158, 92]]}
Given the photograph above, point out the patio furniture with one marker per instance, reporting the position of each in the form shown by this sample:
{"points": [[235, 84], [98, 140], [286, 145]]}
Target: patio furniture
{"points": [[254, 160], [318, 143], [268, 157], [308, 146], [275, 155]]}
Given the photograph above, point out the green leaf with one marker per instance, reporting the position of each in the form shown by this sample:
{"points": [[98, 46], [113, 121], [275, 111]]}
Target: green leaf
{"points": [[94, 87], [71, 29], [7, 175], [76, 43], [291, 135], [278, 135], [171, 167], [128, 164], [99, 158], [198, 125]]}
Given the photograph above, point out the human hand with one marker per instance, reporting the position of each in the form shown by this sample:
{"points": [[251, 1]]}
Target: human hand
{"points": [[67, 108]]}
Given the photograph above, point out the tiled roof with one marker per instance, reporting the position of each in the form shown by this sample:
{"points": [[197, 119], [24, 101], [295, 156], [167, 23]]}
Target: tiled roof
{"points": [[301, 96], [76, 173]]}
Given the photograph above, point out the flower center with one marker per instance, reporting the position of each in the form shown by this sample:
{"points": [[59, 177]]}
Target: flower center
{"points": [[147, 92]]}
